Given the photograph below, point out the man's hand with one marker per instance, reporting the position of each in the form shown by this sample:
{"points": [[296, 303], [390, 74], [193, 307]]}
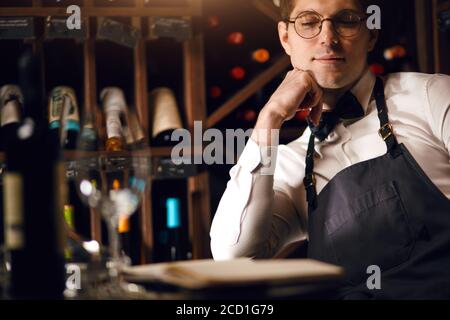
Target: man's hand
{"points": [[299, 90]]}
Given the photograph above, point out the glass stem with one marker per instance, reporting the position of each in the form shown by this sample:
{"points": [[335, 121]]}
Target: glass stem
{"points": [[114, 245]]}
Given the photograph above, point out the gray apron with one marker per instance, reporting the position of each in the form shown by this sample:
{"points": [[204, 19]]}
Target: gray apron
{"points": [[384, 212]]}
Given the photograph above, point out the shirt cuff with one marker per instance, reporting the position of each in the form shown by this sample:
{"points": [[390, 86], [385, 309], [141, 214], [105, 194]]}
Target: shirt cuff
{"points": [[255, 156]]}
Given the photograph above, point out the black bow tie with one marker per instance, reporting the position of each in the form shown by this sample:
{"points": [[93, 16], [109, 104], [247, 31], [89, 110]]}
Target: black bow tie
{"points": [[348, 107]]}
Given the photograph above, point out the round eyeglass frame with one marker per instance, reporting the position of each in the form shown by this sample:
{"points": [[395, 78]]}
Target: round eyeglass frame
{"points": [[322, 19]]}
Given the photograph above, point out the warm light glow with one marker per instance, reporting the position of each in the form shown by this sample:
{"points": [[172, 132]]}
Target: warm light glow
{"points": [[116, 184], [236, 38], [92, 247], [237, 73], [261, 55], [86, 188]]}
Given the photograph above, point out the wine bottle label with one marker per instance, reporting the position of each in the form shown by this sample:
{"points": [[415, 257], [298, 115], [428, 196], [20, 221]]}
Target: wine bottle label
{"points": [[136, 127], [13, 208], [113, 99], [55, 105], [72, 125], [165, 111], [63, 99], [128, 135], [113, 104], [71, 114], [55, 124], [11, 101], [113, 124], [173, 213], [68, 216], [88, 133], [10, 113]]}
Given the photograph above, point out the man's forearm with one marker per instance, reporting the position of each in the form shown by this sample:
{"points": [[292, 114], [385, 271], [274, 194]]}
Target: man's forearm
{"points": [[268, 120]]}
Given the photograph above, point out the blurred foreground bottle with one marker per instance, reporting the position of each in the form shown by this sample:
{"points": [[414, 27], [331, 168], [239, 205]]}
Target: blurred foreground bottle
{"points": [[33, 220], [11, 104]]}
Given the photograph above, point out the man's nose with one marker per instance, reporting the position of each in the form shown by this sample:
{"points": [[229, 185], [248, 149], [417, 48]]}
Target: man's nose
{"points": [[328, 35]]}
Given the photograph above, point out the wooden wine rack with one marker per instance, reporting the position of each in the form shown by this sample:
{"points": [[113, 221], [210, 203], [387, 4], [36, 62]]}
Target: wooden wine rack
{"points": [[194, 104], [432, 48]]}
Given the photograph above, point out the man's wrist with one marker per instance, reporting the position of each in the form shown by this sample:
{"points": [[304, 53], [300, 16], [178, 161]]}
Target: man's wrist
{"points": [[267, 126]]}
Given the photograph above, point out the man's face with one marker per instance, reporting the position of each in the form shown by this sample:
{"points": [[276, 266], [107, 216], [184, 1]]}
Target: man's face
{"points": [[335, 61]]}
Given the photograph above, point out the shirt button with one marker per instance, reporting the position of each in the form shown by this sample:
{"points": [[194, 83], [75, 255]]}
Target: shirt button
{"points": [[265, 160]]}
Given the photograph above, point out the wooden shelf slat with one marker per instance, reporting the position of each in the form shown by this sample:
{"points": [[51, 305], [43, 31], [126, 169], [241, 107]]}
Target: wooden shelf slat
{"points": [[268, 8], [261, 80], [199, 212], [99, 11], [147, 152], [443, 6], [141, 105]]}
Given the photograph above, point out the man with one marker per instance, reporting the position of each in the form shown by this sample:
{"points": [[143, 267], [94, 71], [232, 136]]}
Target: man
{"points": [[368, 183]]}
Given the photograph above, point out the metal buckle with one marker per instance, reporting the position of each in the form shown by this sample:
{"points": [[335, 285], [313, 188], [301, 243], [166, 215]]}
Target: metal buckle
{"points": [[385, 131], [309, 181]]}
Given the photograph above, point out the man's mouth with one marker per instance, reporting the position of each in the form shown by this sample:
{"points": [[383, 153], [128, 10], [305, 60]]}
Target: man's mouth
{"points": [[329, 59]]}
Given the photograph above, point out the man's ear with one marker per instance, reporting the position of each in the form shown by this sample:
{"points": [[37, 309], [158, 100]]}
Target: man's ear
{"points": [[284, 36], [373, 39]]}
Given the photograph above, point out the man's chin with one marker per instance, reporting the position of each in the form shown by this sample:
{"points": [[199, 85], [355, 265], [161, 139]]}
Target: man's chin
{"points": [[332, 81]]}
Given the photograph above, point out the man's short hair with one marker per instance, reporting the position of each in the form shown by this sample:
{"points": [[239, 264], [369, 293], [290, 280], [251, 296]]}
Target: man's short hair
{"points": [[286, 6]]}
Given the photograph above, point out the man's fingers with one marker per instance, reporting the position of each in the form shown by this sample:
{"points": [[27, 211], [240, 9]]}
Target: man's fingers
{"points": [[316, 114]]}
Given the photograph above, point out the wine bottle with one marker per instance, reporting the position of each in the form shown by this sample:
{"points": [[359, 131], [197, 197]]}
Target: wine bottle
{"points": [[74, 250], [133, 131], [124, 232], [114, 106], [170, 220], [166, 116], [70, 120], [32, 217], [55, 107], [11, 102], [64, 119], [173, 224], [123, 225], [88, 138], [70, 227]]}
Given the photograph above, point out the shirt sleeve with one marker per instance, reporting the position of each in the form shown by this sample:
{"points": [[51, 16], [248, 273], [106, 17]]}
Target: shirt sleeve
{"points": [[253, 219], [438, 95]]}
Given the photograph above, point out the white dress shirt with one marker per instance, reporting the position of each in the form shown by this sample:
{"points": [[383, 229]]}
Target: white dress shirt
{"points": [[259, 214]]}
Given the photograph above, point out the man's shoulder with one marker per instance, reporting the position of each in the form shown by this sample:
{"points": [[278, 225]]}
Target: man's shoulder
{"points": [[415, 79], [417, 86]]}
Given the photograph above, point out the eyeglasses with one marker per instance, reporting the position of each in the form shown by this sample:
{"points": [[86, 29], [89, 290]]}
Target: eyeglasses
{"points": [[346, 23]]}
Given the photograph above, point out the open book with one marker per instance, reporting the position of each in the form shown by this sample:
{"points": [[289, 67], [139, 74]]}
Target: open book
{"points": [[198, 274]]}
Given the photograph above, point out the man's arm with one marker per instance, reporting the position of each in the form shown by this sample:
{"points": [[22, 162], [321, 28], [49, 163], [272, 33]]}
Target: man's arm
{"points": [[252, 219], [438, 94]]}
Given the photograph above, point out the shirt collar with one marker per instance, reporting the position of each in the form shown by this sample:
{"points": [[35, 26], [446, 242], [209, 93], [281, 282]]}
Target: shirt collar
{"points": [[362, 90]]}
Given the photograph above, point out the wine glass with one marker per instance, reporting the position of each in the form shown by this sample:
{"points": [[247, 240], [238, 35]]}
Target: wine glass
{"points": [[113, 183]]}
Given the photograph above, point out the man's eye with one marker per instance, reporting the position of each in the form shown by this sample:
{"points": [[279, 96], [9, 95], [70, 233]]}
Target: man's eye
{"points": [[309, 23], [347, 22]]}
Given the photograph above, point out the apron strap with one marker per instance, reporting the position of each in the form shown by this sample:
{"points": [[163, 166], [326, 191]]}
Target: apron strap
{"points": [[386, 132], [309, 181]]}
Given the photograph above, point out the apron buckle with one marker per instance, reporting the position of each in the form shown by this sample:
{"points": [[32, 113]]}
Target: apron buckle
{"points": [[385, 131], [309, 180]]}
